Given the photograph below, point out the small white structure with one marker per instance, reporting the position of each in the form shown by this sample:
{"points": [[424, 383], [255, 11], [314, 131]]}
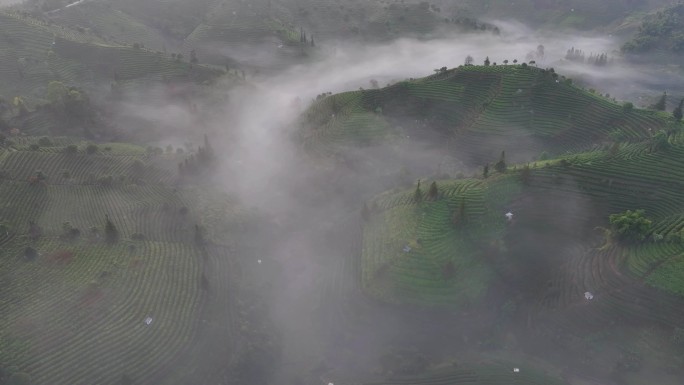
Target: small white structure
{"points": [[148, 321], [509, 216], [516, 370], [588, 295], [259, 261], [407, 249]]}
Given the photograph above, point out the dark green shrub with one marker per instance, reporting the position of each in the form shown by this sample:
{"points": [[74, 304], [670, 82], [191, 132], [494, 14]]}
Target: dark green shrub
{"points": [[30, 253], [111, 232], [45, 141], [631, 226], [91, 149]]}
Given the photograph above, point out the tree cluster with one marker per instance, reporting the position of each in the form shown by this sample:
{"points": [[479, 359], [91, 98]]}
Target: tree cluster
{"points": [[111, 232], [196, 164], [662, 30], [630, 226], [70, 102]]}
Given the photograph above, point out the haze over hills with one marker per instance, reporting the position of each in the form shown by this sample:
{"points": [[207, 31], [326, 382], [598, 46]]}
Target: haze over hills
{"points": [[308, 192]]}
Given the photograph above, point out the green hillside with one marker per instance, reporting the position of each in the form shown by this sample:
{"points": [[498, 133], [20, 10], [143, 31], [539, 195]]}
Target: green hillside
{"points": [[488, 224], [74, 292], [429, 251], [554, 14], [35, 53], [110, 23], [449, 248], [478, 111], [173, 18], [661, 34]]}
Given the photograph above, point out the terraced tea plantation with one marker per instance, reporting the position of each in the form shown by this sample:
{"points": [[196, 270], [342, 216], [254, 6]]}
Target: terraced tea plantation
{"points": [[478, 111], [428, 250], [81, 306], [35, 53]]}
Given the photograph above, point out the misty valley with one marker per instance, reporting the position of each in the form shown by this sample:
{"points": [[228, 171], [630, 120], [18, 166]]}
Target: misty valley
{"points": [[318, 192]]}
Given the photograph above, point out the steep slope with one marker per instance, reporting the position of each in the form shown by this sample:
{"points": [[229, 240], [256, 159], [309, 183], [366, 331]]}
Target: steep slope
{"points": [[35, 53], [553, 14], [660, 36], [476, 112], [82, 303]]}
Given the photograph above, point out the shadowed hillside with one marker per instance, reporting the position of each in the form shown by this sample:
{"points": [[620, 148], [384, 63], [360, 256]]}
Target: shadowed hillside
{"points": [[476, 112]]}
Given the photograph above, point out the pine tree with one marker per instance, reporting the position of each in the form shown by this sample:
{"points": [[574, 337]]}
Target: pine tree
{"points": [[433, 192], [418, 195], [486, 62], [526, 174], [111, 233], [312, 41], [459, 217], [500, 166], [485, 171], [661, 104], [677, 113]]}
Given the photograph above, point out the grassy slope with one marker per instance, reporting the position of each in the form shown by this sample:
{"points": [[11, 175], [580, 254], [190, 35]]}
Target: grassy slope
{"points": [[478, 111], [557, 205], [110, 23], [274, 26], [660, 36], [420, 275], [576, 14], [35, 53], [61, 315]]}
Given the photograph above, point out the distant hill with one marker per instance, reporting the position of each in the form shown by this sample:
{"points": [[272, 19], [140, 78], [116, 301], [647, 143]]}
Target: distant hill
{"points": [[476, 112], [283, 30], [555, 15], [37, 52], [225, 32], [660, 35]]}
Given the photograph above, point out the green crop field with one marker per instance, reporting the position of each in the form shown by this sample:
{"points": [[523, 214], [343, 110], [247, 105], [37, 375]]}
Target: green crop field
{"points": [[111, 24], [487, 224], [474, 106], [416, 252], [74, 300], [35, 53], [561, 204]]}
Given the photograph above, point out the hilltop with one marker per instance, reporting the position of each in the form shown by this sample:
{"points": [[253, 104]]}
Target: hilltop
{"points": [[477, 112]]}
